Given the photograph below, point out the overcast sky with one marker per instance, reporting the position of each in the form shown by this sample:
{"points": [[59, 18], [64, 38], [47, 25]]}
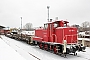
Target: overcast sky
{"points": [[35, 11]]}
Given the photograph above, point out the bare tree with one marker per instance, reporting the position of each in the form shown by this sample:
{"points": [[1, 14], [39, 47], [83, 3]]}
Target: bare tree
{"points": [[28, 26], [85, 25]]}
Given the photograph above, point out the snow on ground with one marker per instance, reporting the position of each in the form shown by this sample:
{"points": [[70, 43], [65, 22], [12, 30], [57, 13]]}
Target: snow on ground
{"points": [[7, 53], [34, 53]]}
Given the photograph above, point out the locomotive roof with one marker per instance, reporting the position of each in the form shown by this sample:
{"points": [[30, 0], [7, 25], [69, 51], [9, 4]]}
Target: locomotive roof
{"points": [[57, 21], [61, 20]]}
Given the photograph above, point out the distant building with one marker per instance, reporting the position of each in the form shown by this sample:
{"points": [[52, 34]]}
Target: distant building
{"points": [[82, 29], [3, 30], [77, 26]]}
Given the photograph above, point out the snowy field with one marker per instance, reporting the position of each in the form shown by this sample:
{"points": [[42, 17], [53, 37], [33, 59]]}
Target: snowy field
{"points": [[34, 53], [7, 53]]}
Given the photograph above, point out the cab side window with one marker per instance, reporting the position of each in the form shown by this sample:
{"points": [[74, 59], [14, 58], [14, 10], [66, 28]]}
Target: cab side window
{"points": [[65, 25], [45, 26], [56, 25]]}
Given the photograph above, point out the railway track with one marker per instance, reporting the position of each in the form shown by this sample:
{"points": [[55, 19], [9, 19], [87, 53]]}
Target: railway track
{"points": [[8, 43]]}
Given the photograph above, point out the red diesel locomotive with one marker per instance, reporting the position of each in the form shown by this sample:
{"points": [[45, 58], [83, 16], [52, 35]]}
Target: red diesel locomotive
{"points": [[57, 37]]}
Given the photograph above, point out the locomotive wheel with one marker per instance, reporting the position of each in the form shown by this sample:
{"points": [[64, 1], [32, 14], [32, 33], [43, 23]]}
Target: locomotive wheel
{"points": [[51, 49], [45, 46], [40, 46], [48, 47], [55, 49]]}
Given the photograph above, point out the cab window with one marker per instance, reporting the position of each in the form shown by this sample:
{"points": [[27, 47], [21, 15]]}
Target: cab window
{"points": [[45, 26], [65, 25], [55, 24]]}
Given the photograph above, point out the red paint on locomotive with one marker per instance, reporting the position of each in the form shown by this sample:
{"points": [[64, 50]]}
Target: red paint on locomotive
{"points": [[56, 32]]}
